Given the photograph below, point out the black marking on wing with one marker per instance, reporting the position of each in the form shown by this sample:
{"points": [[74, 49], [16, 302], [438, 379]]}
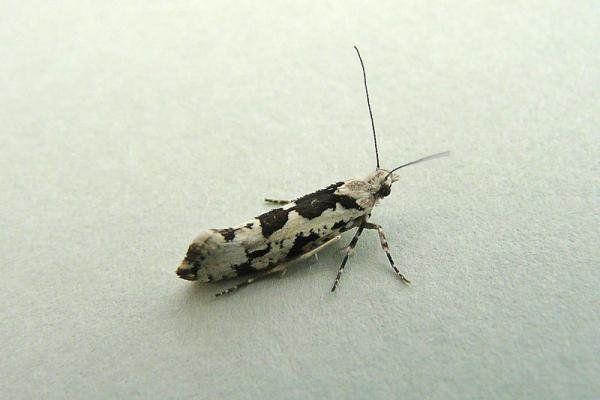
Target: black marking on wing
{"points": [[227, 233], [244, 268], [259, 253], [273, 221], [194, 257], [314, 204], [347, 202], [300, 242], [339, 225], [192, 253]]}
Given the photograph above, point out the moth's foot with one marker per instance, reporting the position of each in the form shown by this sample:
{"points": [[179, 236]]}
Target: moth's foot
{"points": [[224, 292], [348, 250], [233, 288]]}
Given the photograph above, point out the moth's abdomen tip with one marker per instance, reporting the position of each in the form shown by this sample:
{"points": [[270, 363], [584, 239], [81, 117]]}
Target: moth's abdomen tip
{"points": [[187, 271]]}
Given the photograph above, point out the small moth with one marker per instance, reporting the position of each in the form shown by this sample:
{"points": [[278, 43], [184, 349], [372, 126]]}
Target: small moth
{"points": [[298, 229]]}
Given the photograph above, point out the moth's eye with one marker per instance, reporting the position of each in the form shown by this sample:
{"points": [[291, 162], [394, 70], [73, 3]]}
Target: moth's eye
{"points": [[384, 190]]}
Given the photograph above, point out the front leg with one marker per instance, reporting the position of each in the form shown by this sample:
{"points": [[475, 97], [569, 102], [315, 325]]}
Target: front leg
{"points": [[386, 248], [349, 250]]}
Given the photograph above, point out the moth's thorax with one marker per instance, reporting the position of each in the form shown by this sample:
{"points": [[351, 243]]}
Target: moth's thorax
{"points": [[368, 191]]}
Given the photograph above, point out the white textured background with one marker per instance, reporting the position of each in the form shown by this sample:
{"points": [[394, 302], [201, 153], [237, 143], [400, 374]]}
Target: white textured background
{"points": [[127, 127]]}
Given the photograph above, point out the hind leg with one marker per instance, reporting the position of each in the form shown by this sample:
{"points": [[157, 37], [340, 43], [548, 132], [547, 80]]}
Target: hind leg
{"points": [[276, 201], [314, 251], [279, 268], [320, 247]]}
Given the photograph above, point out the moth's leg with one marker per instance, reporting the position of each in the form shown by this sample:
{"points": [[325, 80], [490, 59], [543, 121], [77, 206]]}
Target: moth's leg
{"points": [[319, 248], [350, 248], [314, 251], [261, 275], [277, 202], [386, 248]]}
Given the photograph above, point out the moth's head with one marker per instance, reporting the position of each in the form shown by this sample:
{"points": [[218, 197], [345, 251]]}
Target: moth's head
{"points": [[380, 182]]}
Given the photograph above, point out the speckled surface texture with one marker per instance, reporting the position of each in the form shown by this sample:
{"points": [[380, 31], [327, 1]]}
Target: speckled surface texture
{"points": [[126, 128]]}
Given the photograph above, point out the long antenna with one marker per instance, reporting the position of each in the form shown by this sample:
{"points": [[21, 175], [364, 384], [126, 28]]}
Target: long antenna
{"points": [[431, 157], [369, 104]]}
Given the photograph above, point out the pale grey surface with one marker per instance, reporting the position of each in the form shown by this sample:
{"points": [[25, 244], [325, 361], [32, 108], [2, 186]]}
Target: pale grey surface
{"points": [[126, 129]]}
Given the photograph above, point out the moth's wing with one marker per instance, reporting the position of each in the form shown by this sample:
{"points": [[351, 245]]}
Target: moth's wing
{"points": [[277, 236], [218, 254]]}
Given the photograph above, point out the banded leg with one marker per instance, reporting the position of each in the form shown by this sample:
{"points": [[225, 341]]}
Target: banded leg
{"points": [[282, 268], [318, 248], [386, 248], [349, 249], [279, 268], [277, 202], [314, 251]]}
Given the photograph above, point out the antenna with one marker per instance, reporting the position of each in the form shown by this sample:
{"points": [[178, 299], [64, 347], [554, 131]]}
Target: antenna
{"points": [[431, 157], [369, 104]]}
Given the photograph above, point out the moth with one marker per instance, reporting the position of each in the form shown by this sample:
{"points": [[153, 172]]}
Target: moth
{"points": [[297, 230]]}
